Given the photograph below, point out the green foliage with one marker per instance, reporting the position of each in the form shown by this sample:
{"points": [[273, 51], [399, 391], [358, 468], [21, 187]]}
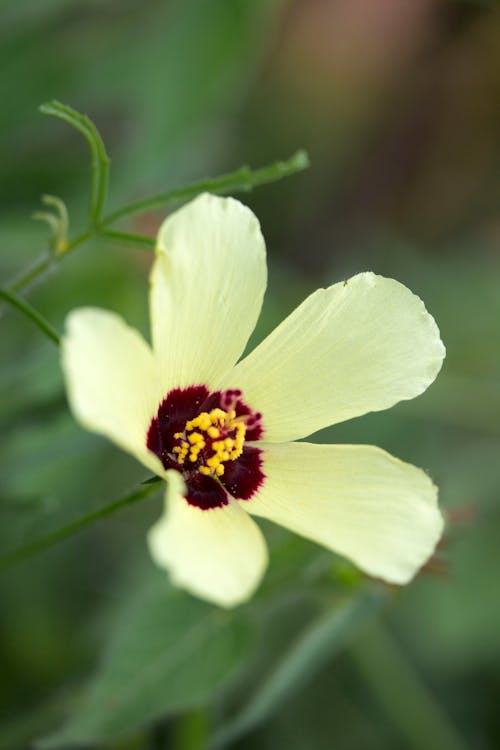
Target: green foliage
{"points": [[404, 183], [168, 653], [319, 641]]}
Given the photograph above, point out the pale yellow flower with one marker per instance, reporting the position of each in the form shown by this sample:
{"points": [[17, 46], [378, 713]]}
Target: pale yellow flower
{"points": [[219, 430]]}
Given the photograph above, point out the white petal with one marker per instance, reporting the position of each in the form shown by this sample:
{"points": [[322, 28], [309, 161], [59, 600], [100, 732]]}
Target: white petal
{"points": [[207, 285], [111, 380], [356, 500], [218, 554], [358, 346]]}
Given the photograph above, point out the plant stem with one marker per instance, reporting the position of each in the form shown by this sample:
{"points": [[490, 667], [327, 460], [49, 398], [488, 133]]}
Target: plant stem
{"points": [[36, 270], [99, 157], [46, 262], [71, 528], [137, 240], [31, 313], [243, 179]]}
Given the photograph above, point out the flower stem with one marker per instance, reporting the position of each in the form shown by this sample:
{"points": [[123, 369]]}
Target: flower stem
{"points": [[136, 240], [32, 273], [46, 262], [30, 312], [243, 179], [71, 528]]}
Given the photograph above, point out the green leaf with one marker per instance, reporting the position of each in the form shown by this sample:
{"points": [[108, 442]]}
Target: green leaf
{"points": [[321, 639], [410, 705], [167, 652]]}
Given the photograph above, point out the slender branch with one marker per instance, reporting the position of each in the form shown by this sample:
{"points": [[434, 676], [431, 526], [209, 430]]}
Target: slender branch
{"points": [[31, 313], [35, 271], [48, 261], [128, 238], [71, 528], [100, 159], [241, 180]]}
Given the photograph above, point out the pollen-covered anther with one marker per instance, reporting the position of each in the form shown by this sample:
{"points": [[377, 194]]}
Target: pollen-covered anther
{"points": [[211, 439]]}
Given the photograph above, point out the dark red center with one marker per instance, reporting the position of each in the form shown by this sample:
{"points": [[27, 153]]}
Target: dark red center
{"points": [[242, 476]]}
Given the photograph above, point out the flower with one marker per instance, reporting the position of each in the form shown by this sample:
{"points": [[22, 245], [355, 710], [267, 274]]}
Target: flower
{"points": [[221, 431]]}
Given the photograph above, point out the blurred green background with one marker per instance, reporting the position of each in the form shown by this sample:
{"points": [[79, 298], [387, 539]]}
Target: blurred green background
{"points": [[398, 105]]}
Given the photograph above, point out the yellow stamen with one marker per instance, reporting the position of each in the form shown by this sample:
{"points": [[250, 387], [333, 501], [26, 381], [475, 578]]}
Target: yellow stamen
{"points": [[210, 426]]}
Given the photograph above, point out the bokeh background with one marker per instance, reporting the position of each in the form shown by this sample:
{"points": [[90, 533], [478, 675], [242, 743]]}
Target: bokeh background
{"points": [[398, 105]]}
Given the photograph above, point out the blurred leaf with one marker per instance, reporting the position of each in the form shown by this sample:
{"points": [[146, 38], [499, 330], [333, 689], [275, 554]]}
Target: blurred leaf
{"points": [[167, 652], [414, 710], [158, 76], [319, 641], [20, 730]]}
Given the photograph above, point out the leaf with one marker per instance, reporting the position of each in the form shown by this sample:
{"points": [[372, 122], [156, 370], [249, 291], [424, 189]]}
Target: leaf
{"points": [[321, 639], [167, 652]]}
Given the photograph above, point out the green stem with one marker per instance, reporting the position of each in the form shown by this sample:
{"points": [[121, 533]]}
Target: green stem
{"points": [[402, 694], [99, 157], [71, 528], [241, 180], [36, 270], [46, 262], [136, 240], [30, 313]]}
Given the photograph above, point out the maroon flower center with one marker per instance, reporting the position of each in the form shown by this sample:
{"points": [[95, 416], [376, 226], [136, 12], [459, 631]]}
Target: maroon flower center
{"points": [[205, 437]]}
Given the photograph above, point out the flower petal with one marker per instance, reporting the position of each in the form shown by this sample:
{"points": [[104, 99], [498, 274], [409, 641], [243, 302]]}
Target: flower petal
{"points": [[356, 500], [111, 380], [218, 554], [358, 346], [207, 285]]}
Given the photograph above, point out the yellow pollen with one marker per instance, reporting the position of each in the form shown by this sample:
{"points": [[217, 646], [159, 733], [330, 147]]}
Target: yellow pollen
{"points": [[206, 427]]}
